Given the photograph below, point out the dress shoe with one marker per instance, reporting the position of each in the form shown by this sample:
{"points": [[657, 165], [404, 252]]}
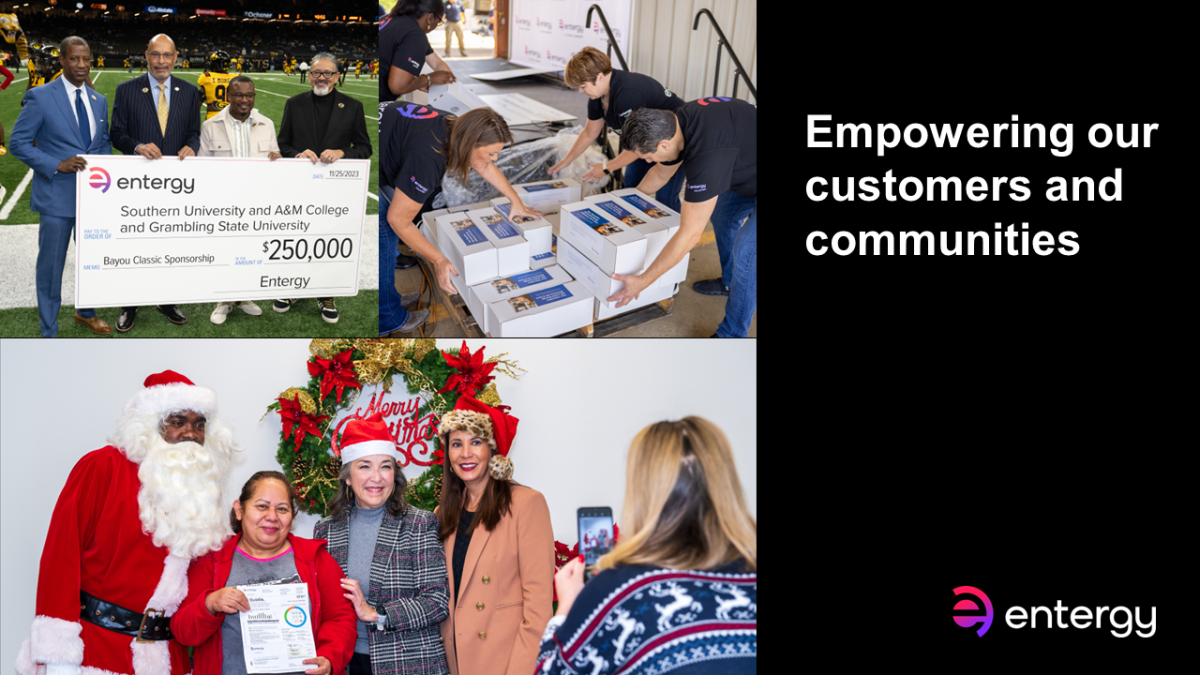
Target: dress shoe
{"points": [[404, 262], [94, 324], [173, 314], [125, 320]]}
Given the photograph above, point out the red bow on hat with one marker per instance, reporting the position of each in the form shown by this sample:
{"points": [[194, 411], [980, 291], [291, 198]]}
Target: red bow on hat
{"points": [[504, 426]]}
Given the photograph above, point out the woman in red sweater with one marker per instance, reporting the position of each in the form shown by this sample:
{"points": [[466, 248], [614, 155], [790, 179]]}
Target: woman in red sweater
{"points": [[264, 552]]}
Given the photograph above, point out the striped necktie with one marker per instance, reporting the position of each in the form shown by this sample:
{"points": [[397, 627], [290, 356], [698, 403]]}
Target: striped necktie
{"points": [[162, 108]]}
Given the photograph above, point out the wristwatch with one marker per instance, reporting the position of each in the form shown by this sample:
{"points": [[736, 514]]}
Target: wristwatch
{"points": [[604, 166], [382, 620]]}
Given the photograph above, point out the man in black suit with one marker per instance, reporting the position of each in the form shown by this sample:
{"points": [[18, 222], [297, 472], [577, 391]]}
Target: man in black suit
{"points": [[156, 115], [323, 125]]}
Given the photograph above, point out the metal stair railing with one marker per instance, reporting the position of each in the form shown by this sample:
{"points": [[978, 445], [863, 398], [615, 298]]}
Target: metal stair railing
{"points": [[722, 41], [612, 40]]}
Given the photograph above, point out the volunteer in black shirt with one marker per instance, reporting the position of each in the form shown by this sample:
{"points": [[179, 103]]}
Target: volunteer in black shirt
{"points": [[404, 49], [715, 140], [418, 146], [615, 94]]}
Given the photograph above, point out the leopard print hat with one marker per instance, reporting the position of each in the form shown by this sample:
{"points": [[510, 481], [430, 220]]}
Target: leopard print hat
{"points": [[476, 424]]}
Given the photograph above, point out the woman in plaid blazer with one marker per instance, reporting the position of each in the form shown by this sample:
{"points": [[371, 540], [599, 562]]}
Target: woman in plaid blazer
{"points": [[394, 563]]}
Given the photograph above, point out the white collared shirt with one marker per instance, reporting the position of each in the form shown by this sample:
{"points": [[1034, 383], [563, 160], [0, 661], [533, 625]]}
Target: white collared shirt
{"points": [[87, 103]]}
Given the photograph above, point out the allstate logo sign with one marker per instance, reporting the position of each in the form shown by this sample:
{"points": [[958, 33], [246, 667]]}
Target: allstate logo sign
{"points": [[100, 179]]}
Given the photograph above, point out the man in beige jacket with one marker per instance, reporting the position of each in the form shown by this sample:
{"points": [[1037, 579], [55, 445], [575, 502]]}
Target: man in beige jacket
{"points": [[239, 130]]}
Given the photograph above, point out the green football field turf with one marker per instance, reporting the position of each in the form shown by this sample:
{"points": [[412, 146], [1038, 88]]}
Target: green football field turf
{"points": [[358, 316], [273, 90]]}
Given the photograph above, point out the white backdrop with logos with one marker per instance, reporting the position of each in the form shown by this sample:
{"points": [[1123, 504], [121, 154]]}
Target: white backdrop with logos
{"points": [[580, 404], [545, 33]]}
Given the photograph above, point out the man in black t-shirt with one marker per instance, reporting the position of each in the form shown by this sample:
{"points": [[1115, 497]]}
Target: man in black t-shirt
{"points": [[715, 141]]}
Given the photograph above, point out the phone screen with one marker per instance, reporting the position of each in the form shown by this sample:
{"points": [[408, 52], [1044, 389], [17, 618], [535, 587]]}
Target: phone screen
{"points": [[595, 534]]}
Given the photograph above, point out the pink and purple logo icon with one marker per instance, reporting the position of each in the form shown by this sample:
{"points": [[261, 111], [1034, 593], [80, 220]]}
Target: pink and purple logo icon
{"points": [[99, 179], [967, 612]]}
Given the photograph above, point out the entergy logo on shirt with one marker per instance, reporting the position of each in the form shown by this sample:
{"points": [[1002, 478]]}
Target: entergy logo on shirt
{"points": [[420, 187]]}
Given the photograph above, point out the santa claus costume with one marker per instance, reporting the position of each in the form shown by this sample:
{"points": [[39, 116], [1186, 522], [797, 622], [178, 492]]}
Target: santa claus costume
{"points": [[122, 536]]}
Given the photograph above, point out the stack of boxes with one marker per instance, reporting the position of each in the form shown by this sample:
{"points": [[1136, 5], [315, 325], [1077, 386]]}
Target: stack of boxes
{"points": [[520, 280]]}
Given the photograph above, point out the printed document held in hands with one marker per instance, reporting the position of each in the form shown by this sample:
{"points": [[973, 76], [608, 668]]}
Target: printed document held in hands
{"points": [[277, 631]]}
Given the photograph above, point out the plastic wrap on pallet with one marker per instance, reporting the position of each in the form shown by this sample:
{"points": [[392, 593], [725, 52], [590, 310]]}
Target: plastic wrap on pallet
{"points": [[524, 163]]}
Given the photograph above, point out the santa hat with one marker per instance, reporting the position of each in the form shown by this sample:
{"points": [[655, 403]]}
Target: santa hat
{"points": [[367, 437], [169, 392], [480, 419]]}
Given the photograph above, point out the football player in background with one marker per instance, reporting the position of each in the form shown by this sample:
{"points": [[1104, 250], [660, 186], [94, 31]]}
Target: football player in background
{"points": [[215, 81], [46, 67]]}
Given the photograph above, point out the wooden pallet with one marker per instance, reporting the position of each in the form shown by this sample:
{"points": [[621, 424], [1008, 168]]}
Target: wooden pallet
{"points": [[623, 322]]}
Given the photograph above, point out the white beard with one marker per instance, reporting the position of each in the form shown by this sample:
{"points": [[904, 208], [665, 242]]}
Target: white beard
{"points": [[322, 91], [179, 501]]}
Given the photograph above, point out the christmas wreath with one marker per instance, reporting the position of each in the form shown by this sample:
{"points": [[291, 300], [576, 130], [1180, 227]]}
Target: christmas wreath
{"points": [[338, 368]]}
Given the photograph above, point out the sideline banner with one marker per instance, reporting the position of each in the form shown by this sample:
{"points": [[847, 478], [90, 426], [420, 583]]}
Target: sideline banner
{"points": [[546, 33], [216, 229]]}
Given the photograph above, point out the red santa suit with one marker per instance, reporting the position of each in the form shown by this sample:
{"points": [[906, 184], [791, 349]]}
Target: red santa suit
{"points": [[96, 544]]}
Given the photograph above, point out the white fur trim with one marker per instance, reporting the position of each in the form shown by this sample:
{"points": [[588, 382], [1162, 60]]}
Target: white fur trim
{"points": [[54, 640], [88, 670], [25, 665], [169, 398], [368, 448], [172, 585], [151, 658]]}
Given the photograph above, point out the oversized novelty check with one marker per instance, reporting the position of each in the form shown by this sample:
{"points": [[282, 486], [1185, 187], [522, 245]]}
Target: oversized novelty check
{"points": [[214, 229], [277, 631]]}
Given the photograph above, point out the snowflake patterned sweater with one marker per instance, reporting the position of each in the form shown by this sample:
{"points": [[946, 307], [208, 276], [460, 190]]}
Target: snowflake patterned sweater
{"points": [[648, 621]]}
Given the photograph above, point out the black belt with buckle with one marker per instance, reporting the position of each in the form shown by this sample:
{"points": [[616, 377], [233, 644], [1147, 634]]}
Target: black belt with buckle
{"points": [[152, 626]]}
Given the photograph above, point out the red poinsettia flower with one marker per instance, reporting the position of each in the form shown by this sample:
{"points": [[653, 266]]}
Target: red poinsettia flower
{"points": [[295, 418], [473, 374], [437, 456], [336, 372]]}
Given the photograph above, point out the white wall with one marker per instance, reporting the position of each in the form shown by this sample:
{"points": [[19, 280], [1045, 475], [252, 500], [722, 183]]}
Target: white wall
{"points": [[666, 48], [580, 404]]}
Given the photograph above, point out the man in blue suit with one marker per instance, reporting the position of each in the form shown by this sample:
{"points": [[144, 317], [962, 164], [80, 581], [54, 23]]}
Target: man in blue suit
{"points": [[67, 119], [155, 116]]}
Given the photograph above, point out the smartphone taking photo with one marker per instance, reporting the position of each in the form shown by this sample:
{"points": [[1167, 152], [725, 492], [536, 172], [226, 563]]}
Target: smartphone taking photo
{"points": [[595, 535]]}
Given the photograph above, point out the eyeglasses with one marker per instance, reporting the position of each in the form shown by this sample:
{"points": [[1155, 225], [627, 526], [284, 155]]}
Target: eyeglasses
{"points": [[160, 57], [318, 74], [249, 97]]}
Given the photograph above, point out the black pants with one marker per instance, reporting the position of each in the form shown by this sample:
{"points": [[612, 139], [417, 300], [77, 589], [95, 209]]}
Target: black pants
{"points": [[360, 664]]}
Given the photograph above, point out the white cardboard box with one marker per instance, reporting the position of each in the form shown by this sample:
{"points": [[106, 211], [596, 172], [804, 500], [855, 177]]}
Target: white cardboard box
{"points": [[596, 280], [640, 211], [536, 231], [547, 195], [472, 254], [545, 313], [512, 251], [429, 227], [651, 295], [502, 289], [612, 245]]}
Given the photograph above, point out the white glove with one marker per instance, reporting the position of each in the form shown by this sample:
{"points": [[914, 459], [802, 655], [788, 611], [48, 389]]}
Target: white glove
{"points": [[60, 669]]}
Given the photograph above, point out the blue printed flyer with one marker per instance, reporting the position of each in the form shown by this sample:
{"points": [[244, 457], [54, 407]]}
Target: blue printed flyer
{"points": [[596, 222], [541, 298], [505, 208], [545, 186], [498, 226], [620, 214], [468, 232], [645, 206], [518, 281]]}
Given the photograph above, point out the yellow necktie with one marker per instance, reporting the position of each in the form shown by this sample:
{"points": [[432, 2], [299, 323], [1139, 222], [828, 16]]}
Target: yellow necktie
{"points": [[162, 108]]}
